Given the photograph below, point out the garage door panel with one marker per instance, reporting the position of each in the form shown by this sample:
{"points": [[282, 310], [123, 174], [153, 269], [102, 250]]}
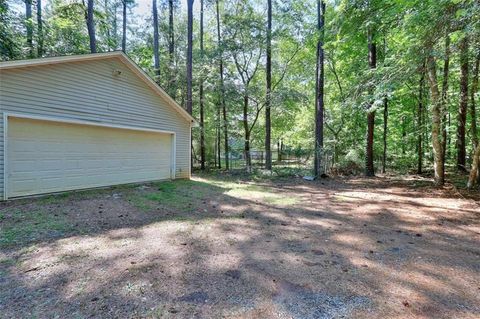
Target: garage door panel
{"points": [[46, 156], [22, 145], [21, 166]]}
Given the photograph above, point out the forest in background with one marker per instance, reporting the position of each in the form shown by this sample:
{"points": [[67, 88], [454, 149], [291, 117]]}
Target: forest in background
{"points": [[372, 85]]}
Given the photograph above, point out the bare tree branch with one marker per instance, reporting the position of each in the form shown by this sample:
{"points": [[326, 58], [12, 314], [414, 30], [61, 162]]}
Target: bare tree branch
{"points": [[337, 80], [284, 71]]}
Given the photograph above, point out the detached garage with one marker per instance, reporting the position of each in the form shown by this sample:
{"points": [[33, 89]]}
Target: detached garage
{"points": [[86, 121]]}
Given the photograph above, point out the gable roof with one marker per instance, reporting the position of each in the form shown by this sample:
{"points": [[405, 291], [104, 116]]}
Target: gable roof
{"points": [[102, 56]]}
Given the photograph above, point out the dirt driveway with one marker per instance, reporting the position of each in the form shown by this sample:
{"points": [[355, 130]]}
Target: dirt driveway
{"points": [[226, 247]]}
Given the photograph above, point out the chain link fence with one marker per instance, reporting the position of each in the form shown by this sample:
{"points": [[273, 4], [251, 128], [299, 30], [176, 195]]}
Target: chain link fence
{"points": [[293, 159]]}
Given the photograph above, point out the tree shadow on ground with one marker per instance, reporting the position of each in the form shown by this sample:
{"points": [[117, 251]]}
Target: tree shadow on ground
{"points": [[210, 248]]}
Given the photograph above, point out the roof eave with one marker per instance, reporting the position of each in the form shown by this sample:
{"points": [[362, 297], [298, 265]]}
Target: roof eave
{"points": [[15, 64]]}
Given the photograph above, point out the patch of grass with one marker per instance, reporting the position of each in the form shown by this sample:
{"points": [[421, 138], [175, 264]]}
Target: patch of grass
{"points": [[281, 200], [177, 195], [7, 262], [54, 198], [23, 227], [292, 171], [179, 218], [222, 184], [27, 249], [260, 193], [459, 180], [85, 194], [264, 196], [167, 195], [341, 198], [259, 174], [255, 188], [62, 197], [140, 202]]}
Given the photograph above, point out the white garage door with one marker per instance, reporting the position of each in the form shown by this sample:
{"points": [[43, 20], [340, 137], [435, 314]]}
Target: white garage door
{"points": [[45, 156]]}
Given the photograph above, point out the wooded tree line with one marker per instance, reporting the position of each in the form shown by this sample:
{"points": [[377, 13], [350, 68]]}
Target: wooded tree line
{"points": [[373, 84]]}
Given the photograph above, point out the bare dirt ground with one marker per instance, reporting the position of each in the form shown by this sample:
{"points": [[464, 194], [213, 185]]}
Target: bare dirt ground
{"points": [[228, 247]]}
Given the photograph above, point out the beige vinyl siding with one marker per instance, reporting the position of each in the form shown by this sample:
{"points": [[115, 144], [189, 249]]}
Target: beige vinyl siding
{"points": [[89, 91], [2, 147]]}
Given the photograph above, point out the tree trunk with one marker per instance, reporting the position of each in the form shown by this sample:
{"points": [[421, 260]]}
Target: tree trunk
{"points": [[319, 92], [39, 29], [171, 50], [462, 111], [385, 130], [248, 159], [225, 135], [448, 143], [222, 89], [279, 156], [219, 139], [268, 124], [473, 91], [420, 120], [189, 60], [474, 172], [446, 68], [108, 35], [404, 135], [124, 26], [281, 150], [372, 61], [114, 27], [215, 147], [156, 56], [385, 115], [202, 124], [29, 26], [91, 27], [189, 54], [436, 119]]}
